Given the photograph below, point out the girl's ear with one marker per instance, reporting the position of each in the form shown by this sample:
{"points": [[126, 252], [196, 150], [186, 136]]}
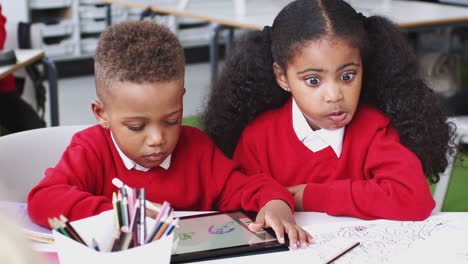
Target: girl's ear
{"points": [[280, 76], [100, 113]]}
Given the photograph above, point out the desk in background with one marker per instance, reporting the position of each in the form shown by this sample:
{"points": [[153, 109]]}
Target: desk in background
{"points": [[410, 15], [27, 57], [455, 2]]}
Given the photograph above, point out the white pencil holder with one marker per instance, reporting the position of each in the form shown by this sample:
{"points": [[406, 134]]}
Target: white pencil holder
{"points": [[102, 228]]}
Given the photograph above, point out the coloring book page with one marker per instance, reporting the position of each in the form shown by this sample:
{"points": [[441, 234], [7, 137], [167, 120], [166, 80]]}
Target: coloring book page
{"points": [[382, 241]]}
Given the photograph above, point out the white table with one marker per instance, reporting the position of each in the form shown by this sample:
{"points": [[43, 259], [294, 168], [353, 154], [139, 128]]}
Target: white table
{"points": [[410, 15], [302, 218], [26, 57]]}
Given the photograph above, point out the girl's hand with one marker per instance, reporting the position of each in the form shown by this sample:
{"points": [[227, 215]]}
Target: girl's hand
{"points": [[277, 215], [153, 209], [298, 192]]}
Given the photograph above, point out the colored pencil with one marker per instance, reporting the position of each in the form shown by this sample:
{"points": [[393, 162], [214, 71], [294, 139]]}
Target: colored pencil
{"points": [[118, 206], [173, 225], [142, 221], [116, 241], [58, 227], [133, 214], [163, 213], [131, 203], [71, 230], [116, 211], [125, 221], [166, 224], [126, 238], [135, 223], [155, 231]]}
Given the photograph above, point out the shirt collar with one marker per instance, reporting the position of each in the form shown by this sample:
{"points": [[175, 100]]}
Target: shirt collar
{"points": [[130, 164], [334, 138]]}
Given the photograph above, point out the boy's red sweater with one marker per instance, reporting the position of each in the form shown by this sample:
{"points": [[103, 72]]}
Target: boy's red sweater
{"points": [[200, 177], [375, 177]]}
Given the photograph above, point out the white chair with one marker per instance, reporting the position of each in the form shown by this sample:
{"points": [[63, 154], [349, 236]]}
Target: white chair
{"points": [[460, 137], [24, 157]]}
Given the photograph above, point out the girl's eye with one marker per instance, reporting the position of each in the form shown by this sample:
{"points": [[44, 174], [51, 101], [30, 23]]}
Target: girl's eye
{"points": [[313, 81], [135, 128], [347, 76]]}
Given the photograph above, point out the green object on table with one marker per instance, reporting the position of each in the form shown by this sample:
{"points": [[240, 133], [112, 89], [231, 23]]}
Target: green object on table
{"points": [[457, 193]]}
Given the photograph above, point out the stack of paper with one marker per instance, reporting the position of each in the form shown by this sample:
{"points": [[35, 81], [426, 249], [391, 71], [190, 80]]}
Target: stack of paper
{"points": [[18, 212]]}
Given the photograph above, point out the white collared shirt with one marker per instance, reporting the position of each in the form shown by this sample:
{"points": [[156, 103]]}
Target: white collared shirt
{"points": [[130, 164], [319, 139]]}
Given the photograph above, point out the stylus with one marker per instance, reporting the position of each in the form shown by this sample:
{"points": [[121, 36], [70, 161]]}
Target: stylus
{"points": [[119, 184], [346, 250]]}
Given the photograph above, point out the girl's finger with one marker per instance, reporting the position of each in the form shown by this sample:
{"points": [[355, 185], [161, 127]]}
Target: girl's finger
{"points": [[310, 239], [259, 223], [255, 227], [279, 231], [302, 236], [292, 235]]}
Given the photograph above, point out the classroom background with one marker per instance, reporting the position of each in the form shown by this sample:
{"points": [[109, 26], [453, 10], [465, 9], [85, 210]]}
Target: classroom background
{"points": [[70, 47]]}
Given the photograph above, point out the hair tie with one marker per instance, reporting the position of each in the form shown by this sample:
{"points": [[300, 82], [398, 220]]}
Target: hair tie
{"points": [[362, 17], [267, 33]]}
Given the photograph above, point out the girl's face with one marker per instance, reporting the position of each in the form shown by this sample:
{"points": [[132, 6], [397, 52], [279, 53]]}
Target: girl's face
{"points": [[324, 77]]}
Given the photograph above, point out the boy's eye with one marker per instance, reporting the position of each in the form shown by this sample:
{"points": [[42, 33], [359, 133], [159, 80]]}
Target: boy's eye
{"points": [[135, 128], [312, 81], [347, 76], [172, 123]]}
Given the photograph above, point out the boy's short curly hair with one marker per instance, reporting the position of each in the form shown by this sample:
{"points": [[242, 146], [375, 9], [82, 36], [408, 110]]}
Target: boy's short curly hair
{"points": [[137, 52]]}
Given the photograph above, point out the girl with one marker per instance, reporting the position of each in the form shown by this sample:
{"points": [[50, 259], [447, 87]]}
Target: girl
{"points": [[329, 103]]}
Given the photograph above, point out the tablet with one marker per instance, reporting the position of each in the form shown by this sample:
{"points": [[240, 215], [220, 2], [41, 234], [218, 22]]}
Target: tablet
{"points": [[219, 235]]}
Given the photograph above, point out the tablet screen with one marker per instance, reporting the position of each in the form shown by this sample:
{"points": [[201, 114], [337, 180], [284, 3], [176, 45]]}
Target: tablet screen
{"points": [[203, 234]]}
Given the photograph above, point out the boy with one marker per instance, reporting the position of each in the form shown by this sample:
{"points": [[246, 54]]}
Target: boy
{"points": [[139, 69]]}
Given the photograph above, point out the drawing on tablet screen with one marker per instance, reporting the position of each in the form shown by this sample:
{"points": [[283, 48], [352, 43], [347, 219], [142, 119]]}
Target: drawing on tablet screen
{"points": [[225, 228], [185, 236]]}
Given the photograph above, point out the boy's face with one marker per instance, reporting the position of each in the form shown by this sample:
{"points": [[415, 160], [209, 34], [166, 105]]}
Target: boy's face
{"points": [[144, 118], [325, 78]]}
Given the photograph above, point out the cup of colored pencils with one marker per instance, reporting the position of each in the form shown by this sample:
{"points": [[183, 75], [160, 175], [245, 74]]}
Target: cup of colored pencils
{"points": [[131, 226], [130, 217]]}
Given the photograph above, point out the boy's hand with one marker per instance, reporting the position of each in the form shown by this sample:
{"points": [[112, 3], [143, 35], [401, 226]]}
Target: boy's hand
{"points": [[277, 215], [298, 192]]}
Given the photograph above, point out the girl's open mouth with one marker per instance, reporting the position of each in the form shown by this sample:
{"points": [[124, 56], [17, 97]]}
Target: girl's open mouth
{"points": [[337, 116]]}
